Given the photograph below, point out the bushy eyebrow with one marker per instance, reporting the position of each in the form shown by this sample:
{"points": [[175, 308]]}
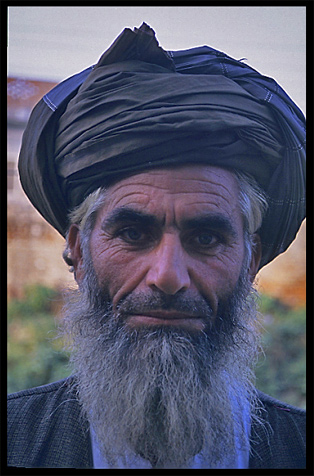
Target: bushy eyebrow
{"points": [[128, 215], [212, 221]]}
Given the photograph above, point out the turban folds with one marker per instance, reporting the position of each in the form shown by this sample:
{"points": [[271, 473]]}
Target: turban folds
{"points": [[141, 107]]}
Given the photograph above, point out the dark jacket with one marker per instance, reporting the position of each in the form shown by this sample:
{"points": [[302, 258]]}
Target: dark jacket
{"points": [[46, 430]]}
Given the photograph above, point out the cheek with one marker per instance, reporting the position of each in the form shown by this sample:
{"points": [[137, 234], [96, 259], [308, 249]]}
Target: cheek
{"points": [[217, 277], [117, 271]]}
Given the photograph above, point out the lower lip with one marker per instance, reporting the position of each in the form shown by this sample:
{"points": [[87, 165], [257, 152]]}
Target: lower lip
{"points": [[187, 323]]}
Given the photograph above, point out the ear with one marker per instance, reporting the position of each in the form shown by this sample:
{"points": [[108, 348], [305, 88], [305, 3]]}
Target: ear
{"points": [[74, 241], [256, 257]]}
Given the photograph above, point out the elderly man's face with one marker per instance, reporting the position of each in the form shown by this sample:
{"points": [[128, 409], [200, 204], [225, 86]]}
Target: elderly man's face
{"points": [[171, 232], [163, 325]]}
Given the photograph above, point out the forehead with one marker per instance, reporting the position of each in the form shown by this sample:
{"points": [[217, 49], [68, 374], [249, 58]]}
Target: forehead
{"points": [[183, 190]]}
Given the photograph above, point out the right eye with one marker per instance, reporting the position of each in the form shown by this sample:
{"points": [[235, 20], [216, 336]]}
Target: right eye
{"points": [[131, 234]]}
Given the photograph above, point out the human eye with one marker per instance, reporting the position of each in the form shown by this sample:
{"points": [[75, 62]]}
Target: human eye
{"points": [[130, 233], [134, 235], [204, 241]]}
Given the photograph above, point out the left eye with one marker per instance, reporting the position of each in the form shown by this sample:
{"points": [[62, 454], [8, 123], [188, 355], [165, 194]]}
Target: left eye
{"points": [[206, 239]]}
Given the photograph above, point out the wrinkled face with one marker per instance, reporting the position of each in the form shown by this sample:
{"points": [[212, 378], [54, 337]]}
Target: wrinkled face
{"points": [[171, 232]]}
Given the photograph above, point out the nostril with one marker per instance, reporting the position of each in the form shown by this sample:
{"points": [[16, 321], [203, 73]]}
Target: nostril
{"points": [[169, 280]]}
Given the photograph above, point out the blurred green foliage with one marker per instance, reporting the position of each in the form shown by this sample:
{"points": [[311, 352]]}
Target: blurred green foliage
{"points": [[35, 356], [281, 372]]}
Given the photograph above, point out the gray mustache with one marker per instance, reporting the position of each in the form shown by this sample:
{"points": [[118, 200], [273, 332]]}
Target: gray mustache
{"points": [[141, 302]]}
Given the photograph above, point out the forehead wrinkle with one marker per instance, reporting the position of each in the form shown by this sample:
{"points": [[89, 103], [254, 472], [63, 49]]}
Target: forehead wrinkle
{"points": [[145, 178], [228, 190], [138, 191], [215, 199], [128, 195], [142, 193], [208, 181], [141, 202]]}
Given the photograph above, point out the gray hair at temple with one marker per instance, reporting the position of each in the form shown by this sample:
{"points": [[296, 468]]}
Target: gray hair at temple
{"points": [[252, 200]]}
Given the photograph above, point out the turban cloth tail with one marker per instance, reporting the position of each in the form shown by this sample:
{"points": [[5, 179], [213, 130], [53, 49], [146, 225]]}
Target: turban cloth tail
{"points": [[141, 107]]}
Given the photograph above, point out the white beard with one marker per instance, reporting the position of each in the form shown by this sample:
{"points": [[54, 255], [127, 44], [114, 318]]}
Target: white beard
{"points": [[163, 393]]}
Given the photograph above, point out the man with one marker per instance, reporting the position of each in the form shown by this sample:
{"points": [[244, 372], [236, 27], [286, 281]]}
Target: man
{"points": [[174, 177]]}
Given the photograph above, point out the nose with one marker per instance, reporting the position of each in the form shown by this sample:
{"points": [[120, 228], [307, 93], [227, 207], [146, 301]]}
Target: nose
{"points": [[168, 270]]}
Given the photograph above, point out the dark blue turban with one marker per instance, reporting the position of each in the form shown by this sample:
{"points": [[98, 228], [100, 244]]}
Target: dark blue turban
{"points": [[141, 107]]}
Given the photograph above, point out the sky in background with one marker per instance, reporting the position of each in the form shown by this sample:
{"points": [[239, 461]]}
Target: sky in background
{"points": [[52, 43]]}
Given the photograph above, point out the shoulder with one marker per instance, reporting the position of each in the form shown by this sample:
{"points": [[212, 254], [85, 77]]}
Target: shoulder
{"points": [[50, 387], [281, 415], [280, 440], [35, 406], [61, 385], [57, 391], [46, 427], [272, 402]]}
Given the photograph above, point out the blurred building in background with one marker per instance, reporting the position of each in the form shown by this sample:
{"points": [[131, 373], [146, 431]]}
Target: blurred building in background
{"points": [[35, 248]]}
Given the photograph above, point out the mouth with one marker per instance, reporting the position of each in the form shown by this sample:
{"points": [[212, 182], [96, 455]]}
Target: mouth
{"points": [[166, 318]]}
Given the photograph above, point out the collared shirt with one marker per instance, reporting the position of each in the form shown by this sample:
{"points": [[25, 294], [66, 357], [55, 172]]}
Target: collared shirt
{"points": [[238, 460]]}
